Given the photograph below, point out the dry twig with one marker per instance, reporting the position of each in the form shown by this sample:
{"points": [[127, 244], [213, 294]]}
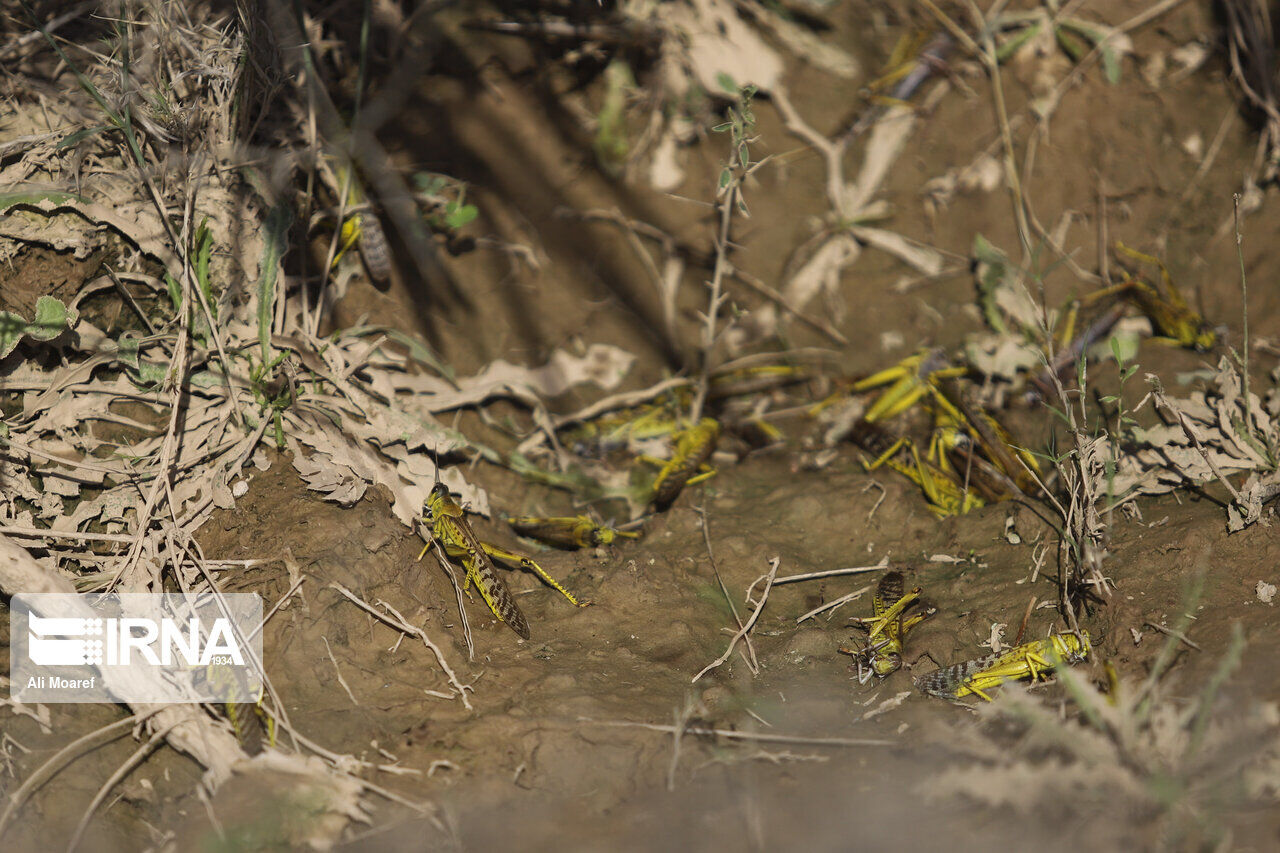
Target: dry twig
{"points": [[773, 571]]}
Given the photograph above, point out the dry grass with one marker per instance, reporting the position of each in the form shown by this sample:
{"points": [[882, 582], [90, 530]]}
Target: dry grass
{"points": [[1172, 771]]}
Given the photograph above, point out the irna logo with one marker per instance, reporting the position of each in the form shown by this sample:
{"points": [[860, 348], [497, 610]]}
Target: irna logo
{"points": [[58, 641], [129, 647]]}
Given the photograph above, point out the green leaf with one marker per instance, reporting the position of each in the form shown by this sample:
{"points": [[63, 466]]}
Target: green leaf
{"points": [[1074, 48], [175, 292], [127, 349], [12, 328], [1115, 350], [992, 271], [206, 379], [8, 200], [1094, 33], [725, 82], [457, 216], [726, 177], [52, 318], [1124, 347], [1011, 47], [204, 249], [276, 230], [1097, 35], [428, 183], [1110, 65], [150, 374], [73, 139]]}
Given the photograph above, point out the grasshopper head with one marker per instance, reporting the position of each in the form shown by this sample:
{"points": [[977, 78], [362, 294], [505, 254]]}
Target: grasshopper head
{"points": [[1085, 647], [438, 495], [1072, 647], [1206, 338], [884, 664]]}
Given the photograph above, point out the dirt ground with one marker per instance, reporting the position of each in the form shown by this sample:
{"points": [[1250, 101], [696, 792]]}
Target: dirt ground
{"points": [[553, 756]]}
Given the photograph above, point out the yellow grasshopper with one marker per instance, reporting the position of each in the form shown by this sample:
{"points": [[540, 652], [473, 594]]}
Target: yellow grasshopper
{"points": [[254, 727], [446, 520], [944, 492], [694, 447], [360, 227], [909, 381], [1165, 307], [971, 457], [1031, 660], [662, 416], [1016, 468], [886, 630], [652, 420], [752, 380], [567, 532]]}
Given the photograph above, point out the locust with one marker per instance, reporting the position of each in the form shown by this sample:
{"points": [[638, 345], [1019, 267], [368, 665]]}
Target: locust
{"points": [[1164, 305], [909, 381], [254, 727], [447, 522], [944, 492], [653, 420], [752, 380], [661, 417], [1032, 660], [361, 227], [687, 465], [567, 532], [886, 630], [1018, 470], [971, 458]]}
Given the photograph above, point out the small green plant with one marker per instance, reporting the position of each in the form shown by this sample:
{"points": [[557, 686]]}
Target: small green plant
{"points": [[1075, 36], [611, 143], [1121, 428], [740, 124], [51, 319], [273, 391]]}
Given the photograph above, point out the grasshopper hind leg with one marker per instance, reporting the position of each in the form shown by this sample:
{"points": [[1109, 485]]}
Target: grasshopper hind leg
{"points": [[525, 563]]}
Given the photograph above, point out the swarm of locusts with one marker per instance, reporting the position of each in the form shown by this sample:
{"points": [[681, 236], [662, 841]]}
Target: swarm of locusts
{"points": [[964, 457], [692, 443], [967, 457]]}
